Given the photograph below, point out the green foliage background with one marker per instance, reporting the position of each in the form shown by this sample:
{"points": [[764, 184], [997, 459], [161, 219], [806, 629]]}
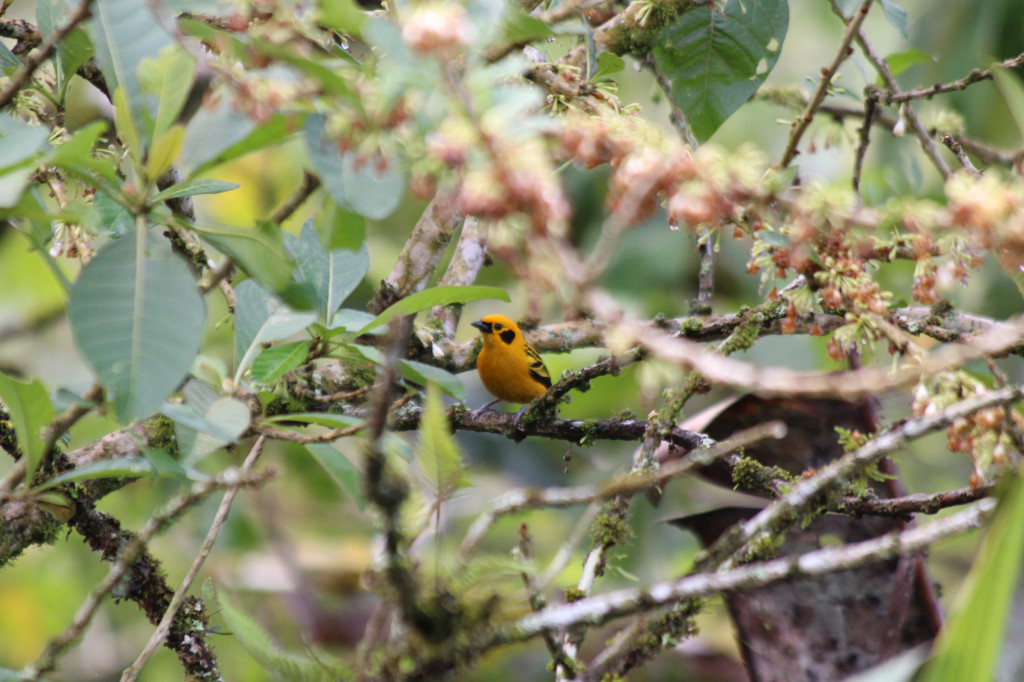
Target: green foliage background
{"points": [[306, 515]]}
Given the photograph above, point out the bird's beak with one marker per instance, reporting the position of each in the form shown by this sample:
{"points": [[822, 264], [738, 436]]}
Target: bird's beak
{"points": [[484, 327]]}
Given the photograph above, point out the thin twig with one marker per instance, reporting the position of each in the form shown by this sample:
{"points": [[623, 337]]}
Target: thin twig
{"points": [[309, 184], [219, 519], [804, 492], [849, 384], [827, 74], [974, 76], [870, 107], [47, 660], [600, 609], [961, 156], [35, 60], [882, 67]]}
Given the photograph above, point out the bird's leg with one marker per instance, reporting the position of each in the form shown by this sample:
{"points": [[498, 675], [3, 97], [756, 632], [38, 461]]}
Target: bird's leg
{"points": [[520, 414], [480, 410]]}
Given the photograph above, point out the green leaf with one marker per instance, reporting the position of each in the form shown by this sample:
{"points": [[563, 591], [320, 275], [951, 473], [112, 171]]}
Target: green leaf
{"points": [[21, 144], [127, 130], [356, 184], [221, 134], [347, 319], [328, 419], [342, 15], [716, 58], [901, 61], [896, 16], [191, 188], [124, 33], [222, 422], [8, 60], [424, 375], [344, 229], [259, 251], [186, 416], [276, 361], [76, 156], [333, 275], [115, 220], [72, 51], [164, 151], [1012, 91], [340, 469], [30, 410], [521, 28], [169, 78], [434, 297], [969, 647], [438, 457], [607, 65], [121, 467], [282, 665], [138, 320], [261, 317]]}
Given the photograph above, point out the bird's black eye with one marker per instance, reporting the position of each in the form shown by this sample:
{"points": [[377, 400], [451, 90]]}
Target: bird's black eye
{"points": [[498, 326]]}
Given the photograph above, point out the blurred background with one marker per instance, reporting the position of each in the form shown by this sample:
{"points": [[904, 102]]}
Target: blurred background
{"points": [[294, 551]]}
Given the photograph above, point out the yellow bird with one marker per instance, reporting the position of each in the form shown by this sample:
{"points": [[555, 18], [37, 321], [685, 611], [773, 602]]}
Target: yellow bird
{"points": [[509, 367]]}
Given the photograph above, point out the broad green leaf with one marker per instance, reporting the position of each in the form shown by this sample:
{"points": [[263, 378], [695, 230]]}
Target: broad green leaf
{"points": [[282, 665], [274, 362], [328, 419], [340, 469], [164, 151], [438, 457], [169, 79], [901, 61], [344, 229], [342, 15], [424, 375], [115, 220], [715, 58], [896, 16], [434, 297], [608, 64], [73, 51], [191, 188], [1012, 91], [328, 78], [8, 60], [259, 251], [166, 466], [969, 647], [520, 27], [347, 319], [356, 184], [138, 320], [261, 317], [30, 410], [126, 128], [20, 143], [122, 467], [50, 15], [221, 134], [333, 275], [125, 32], [185, 416], [76, 156], [224, 420]]}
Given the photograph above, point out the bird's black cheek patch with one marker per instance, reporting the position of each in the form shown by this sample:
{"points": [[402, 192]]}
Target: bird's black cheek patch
{"points": [[508, 336]]}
